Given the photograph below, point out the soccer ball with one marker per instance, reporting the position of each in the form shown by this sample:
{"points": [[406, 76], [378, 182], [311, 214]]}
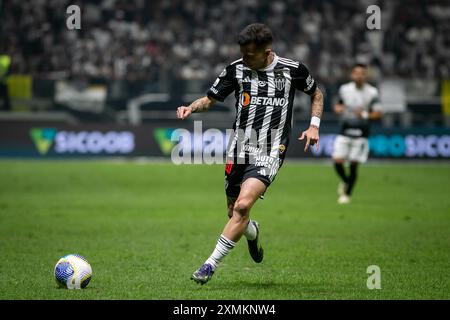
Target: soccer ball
{"points": [[73, 272]]}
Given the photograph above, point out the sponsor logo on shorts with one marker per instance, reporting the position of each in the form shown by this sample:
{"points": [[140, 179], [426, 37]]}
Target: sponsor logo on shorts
{"points": [[265, 161]]}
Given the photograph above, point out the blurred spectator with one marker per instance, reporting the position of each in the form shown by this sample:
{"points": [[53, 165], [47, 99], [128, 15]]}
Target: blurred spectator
{"points": [[141, 40]]}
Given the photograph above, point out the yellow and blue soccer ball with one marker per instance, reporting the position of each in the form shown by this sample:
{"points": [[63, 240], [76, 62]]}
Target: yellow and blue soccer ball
{"points": [[73, 272]]}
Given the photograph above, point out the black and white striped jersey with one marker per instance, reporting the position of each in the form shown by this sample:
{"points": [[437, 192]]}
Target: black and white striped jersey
{"points": [[264, 101]]}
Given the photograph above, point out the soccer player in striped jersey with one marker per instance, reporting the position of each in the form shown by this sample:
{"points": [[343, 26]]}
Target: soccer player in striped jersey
{"points": [[264, 86]]}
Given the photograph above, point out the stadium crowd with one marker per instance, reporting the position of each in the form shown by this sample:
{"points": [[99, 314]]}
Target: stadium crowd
{"points": [[142, 39]]}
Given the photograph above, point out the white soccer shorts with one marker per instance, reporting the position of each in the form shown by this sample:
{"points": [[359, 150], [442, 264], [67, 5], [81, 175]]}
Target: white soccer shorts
{"points": [[351, 149]]}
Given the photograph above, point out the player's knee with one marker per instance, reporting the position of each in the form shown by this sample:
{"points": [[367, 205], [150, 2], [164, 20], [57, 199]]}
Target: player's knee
{"points": [[242, 208]]}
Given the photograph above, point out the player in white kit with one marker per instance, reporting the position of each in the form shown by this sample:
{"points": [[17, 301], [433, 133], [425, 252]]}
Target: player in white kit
{"points": [[358, 104]]}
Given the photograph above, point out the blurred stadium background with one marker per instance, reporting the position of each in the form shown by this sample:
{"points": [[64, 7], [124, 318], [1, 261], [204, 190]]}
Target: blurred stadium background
{"points": [[133, 62], [111, 89]]}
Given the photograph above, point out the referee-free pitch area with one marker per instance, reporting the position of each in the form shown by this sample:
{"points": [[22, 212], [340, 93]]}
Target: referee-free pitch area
{"points": [[146, 227]]}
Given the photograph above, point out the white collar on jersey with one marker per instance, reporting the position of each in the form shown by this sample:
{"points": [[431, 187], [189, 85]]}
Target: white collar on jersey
{"points": [[272, 65]]}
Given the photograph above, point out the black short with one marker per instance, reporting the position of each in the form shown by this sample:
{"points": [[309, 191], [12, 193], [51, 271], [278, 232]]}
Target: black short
{"points": [[236, 174]]}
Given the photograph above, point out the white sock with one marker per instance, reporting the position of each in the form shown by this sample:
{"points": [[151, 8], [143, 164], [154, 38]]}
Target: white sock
{"points": [[223, 247], [250, 232]]}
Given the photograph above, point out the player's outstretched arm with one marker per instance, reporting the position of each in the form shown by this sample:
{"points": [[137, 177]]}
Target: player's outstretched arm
{"points": [[312, 133], [199, 105]]}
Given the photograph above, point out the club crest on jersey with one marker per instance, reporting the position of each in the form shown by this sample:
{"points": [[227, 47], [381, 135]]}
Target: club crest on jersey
{"points": [[280, 82], [245, 99]]}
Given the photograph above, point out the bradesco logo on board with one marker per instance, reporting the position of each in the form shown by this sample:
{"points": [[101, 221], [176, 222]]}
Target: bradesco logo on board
{"points": [[82, 142]]}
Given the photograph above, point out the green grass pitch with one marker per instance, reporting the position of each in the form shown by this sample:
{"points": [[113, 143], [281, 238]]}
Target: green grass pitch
{"points": [[146, 227]]}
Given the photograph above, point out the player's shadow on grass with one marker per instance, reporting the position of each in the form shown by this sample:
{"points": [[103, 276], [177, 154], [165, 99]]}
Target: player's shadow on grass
{"points": [[294, 289]]}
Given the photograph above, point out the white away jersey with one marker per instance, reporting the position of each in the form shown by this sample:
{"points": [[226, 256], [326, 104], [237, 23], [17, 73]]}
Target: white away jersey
{"points": [[354, 98]]}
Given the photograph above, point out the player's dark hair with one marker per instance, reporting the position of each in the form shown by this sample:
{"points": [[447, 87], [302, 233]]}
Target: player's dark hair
{"points": [[256, 33], [359, 65]]}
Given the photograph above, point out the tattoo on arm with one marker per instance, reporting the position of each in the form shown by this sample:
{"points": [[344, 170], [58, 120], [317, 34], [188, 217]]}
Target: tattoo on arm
{"points": [[317, 103], [201, 105]]}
